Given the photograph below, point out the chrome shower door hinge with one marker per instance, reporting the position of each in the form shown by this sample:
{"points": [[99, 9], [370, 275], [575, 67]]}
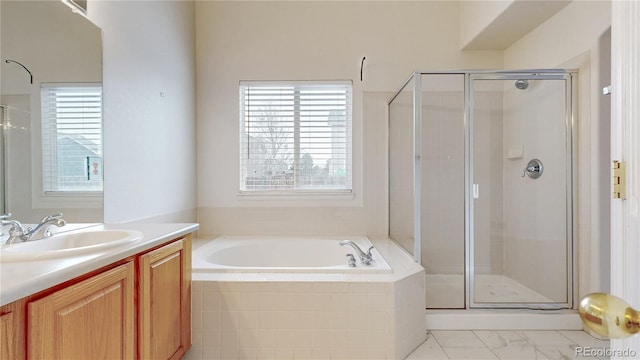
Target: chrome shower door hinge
{"points": [[619, 186]]}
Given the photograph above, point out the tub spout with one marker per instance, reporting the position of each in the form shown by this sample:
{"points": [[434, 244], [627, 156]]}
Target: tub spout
{"points": [[365, 258]]}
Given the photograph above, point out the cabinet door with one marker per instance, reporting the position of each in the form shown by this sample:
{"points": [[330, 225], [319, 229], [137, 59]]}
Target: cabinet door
{"points": [[165, 301], [11, 331], [7, 335], [92, 319]]}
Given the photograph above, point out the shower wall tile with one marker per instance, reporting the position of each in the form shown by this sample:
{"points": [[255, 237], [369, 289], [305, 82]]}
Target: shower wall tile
{"points": [[443, 178], [534, 212], [487, 154]]}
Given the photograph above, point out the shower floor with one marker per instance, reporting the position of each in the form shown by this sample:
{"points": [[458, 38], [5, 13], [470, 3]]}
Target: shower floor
{"points": [[448, 291]]}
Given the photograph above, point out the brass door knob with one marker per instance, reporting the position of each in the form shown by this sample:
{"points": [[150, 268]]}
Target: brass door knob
{"points": [[609, 316]]}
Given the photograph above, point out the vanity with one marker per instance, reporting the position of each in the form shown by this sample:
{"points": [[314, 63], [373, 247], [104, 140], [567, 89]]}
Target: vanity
{"points": [[131, 300]]}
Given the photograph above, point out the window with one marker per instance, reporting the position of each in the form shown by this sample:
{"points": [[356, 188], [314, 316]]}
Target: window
{"points": [[71, 138], [295, 136]]}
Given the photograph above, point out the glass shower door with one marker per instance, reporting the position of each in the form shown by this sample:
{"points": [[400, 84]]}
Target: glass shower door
{"points": [[402, 225], [426, 181], [520, 191], [441, 196]]}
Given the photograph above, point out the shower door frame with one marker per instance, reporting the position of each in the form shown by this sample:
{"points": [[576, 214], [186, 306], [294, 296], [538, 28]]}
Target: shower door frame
{"points": [[570, 78]]}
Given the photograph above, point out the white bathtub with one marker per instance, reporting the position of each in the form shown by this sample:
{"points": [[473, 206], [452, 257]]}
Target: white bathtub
{"points": [[284, 255], [283, 297]]}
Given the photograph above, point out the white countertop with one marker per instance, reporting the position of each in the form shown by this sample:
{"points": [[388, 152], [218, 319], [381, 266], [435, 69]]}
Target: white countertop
{"points": [[24, 278]]}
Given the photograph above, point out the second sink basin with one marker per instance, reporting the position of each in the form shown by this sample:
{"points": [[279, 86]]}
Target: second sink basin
{"points": [[68, 244]]}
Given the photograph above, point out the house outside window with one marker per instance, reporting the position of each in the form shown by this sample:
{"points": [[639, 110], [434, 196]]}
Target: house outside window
{"points": [[295, 137], [71, 138]]}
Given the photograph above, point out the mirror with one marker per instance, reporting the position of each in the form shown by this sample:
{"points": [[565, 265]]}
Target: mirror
{"points": [[44, 46]]}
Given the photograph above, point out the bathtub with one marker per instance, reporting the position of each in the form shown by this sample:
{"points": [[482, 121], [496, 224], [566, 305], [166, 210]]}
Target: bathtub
{"points": [[284, 255], [296, 297]]}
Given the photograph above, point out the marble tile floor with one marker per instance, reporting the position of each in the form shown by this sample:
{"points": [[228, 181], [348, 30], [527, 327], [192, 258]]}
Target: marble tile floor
{"points": [[510, 345]]}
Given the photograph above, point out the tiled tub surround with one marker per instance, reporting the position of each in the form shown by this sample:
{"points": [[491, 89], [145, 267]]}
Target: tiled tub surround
{"points": [[261, 315]]}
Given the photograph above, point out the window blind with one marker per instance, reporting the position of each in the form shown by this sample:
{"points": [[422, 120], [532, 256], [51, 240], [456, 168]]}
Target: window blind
{"points": [[295, 136], [71, 137]]}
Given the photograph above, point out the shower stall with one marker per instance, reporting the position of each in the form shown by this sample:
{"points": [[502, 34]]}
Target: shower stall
{"points": [[481, 186]]}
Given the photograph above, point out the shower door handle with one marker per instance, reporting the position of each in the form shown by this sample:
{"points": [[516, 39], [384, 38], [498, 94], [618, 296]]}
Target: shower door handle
{"points": [[533, 169]]}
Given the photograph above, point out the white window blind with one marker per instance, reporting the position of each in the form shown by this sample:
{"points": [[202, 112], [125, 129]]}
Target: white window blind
{"points": [[71, 137], [295, 136]]}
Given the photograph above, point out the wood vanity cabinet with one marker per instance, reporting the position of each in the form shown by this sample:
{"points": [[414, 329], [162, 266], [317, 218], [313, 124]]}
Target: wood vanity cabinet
{"points": [[92, 319], [139, 307], [12, 331], [164, 324]]}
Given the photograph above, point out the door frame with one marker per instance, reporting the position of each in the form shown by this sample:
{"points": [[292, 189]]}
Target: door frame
{"points": [[625, 147]]}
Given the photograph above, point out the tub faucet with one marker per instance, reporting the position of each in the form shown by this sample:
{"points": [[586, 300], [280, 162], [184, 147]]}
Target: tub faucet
{"points": [[365, 258], [18, 233]]}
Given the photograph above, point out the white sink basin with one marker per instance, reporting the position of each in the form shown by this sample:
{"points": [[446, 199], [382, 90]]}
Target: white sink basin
{"points": [[68, 244]]}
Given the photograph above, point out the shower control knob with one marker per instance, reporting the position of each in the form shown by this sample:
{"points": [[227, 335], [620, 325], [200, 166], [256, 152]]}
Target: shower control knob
{"points": [[533, 169], [530, 169]]}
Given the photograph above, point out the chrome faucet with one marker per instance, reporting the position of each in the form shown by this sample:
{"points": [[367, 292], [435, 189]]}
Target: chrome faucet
{"points": [[4, 217], [365, 258], [16, 232], [40, 231]]}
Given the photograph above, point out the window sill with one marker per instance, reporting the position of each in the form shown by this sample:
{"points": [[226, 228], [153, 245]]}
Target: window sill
{"points": [[72, 200], [298, 195]]}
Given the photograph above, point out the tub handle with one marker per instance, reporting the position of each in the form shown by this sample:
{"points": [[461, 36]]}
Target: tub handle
{"points": [[351, 259]]}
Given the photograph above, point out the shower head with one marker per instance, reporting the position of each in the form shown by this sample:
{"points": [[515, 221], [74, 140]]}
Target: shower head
{"points": [[522, 84]]}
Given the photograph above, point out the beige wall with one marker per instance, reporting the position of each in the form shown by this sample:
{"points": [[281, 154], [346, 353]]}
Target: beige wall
{"points": [[475, 16], [312, 40], [149, 95], [576, 37]]}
